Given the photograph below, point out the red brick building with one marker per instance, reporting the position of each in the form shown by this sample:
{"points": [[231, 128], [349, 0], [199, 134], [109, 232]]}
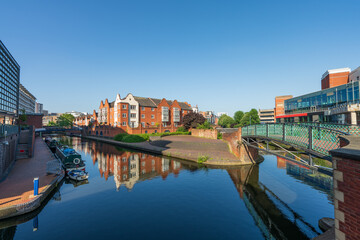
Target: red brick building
{"points": [[138, 115], [279, 104], [335, 77]]}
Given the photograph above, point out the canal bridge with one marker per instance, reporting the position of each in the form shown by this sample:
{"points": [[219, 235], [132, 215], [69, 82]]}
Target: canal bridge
{"points": [[314, 138]]}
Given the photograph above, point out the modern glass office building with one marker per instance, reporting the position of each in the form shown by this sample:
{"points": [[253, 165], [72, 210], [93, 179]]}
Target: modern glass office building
{"points": [[9, 86], [323, 100], [338, 104]]}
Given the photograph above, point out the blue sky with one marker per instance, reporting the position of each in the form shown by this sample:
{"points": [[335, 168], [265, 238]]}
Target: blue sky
{"points": [[221, 55]]}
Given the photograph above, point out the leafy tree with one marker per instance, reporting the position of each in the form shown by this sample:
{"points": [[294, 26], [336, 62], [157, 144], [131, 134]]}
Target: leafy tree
{"points": [[65, 120], [205, 125], [250, 117], [238, 116], [191, 120], [226, 121], [22, 116], [181, 129], [52, 124]]}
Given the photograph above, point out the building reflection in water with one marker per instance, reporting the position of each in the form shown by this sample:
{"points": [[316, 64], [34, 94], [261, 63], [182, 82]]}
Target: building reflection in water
{"points": [[274, 217], [127, 167]]}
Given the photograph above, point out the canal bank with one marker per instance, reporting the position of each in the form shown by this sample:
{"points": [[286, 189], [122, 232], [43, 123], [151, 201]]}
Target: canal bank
{"points": [[210, 152], [130, 191], [17, 190]]}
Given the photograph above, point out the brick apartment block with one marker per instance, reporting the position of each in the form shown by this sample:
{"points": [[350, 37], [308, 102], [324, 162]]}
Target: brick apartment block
{"points": [[137, 115]]}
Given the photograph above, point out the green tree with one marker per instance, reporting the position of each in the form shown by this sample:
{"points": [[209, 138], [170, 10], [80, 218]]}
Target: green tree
{"points": [[226, 121], [65, 120], [250, 117], [52, 124], [205, 125], [238, 116], [22, 116]]}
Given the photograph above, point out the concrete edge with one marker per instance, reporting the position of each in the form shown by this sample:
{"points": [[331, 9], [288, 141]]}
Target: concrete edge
{"points": [[31, 205]]}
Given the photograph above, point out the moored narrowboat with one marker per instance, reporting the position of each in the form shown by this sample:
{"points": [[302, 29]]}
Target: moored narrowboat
{"points": [[70, 159]]}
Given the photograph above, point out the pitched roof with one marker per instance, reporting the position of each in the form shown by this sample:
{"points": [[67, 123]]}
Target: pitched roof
{"points": [[156, 101], [184, 106], [112, 104], [145, 102]]}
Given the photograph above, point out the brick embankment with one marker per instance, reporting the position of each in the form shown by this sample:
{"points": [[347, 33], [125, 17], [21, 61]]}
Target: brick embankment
{"points": [[16, 191], [185, 147]]}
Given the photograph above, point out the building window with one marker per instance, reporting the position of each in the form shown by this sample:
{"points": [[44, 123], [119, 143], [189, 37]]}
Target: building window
{"points": [[143, 124], [142, 115], [133, 115], [153, 123], [124, 123], [152, 109], [143, 108], [124, 115], [152, 116], [124, 159], [124, 106], [175, 124], [132, 107], [164, 124], [124, 168]]}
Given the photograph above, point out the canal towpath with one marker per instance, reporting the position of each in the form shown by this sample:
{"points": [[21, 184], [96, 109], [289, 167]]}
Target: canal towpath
{"points": [[16, 191]]}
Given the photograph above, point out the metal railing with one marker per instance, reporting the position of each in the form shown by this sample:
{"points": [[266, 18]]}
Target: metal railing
{"points": [[313, 138], [8, 129]]}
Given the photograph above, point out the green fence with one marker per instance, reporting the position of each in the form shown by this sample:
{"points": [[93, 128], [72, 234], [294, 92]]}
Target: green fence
{"points": [[315, 138]]}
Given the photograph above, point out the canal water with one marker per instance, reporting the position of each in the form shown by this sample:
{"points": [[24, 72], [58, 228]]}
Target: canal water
{"points": [[133, 195]]}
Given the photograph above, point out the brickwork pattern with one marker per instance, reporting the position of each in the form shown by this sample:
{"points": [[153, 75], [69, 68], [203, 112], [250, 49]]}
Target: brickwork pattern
{"points": [[347, 195], [205, 133]]}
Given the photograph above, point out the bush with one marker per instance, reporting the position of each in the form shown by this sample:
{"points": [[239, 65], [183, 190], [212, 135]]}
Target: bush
{"points": [[202, 159], [119, 137], [219, 135], [133, 139], [181, 129], [205, 125]]}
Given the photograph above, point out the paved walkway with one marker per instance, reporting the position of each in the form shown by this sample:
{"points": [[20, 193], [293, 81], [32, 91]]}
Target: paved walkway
{"points": [[189, 147], [18, 187]]}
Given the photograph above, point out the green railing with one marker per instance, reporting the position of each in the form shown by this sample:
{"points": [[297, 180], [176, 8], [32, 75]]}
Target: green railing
{"points": [[315, 138], [8, 129], [349, 129]]}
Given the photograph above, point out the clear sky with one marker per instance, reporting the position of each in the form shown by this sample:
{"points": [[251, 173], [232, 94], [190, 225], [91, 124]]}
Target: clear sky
{"points": [[221, 55]]}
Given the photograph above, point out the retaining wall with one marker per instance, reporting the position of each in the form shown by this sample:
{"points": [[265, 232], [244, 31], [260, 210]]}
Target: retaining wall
{"points": [[205, 133]]}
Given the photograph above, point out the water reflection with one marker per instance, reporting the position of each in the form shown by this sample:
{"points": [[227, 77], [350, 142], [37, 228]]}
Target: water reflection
{"points": [[273, 214], [127, 167]]}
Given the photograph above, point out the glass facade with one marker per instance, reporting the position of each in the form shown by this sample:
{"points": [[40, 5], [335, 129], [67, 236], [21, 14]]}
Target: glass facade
{"points": [[9, 82], [324, 100]]}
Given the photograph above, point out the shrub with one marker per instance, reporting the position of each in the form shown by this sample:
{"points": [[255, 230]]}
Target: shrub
{"points": [[133, 139], [219, 135], [205, 125], [181, 129], [119, 137], [202, 159]]}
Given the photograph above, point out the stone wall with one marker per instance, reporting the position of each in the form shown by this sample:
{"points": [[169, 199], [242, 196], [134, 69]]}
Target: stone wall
{"points": [[205, 133], [33, 120], [346, 164], [7, 153]]}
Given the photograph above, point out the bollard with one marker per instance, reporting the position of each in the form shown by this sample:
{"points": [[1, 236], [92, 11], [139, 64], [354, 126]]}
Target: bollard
{"points": [[36, 186]]}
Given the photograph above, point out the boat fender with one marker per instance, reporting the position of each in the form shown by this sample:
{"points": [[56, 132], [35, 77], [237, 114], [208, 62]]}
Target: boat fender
{"points": [[76, 161]]}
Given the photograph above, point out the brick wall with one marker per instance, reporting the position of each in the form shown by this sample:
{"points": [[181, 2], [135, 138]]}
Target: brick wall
{"points": [[240, 150], [346, 164], [33, 120], [205, 133]]}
